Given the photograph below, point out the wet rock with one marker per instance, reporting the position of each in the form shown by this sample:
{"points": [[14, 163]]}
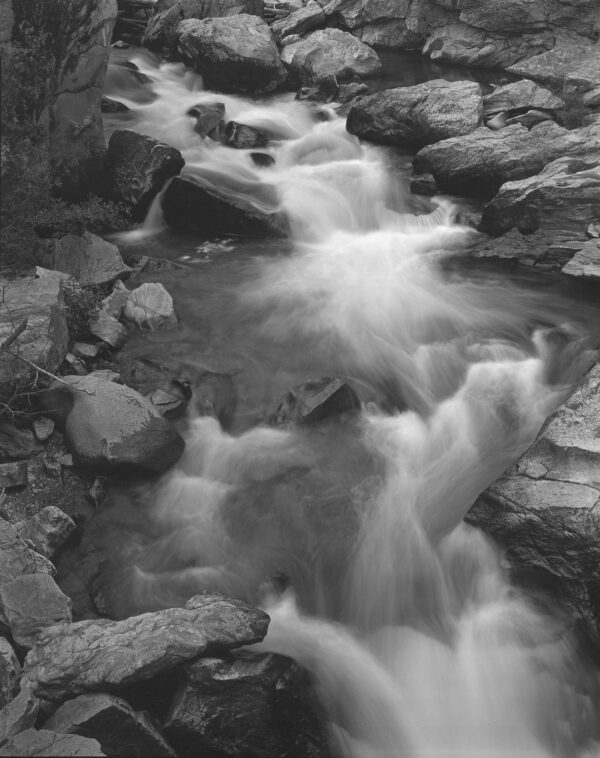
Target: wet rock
{"points": [[416, 116], [13, 474], [108, 425], [88, 258], [235, 54], [315, 401], [547, 249], [585, 264], [479, 163], [108, 105], [44, 341], [100, 654], [10, 671], [544, 510], [18, 714], [300, 21], [529, 119], [521, 95], [564, 196], [150, 306], [423, 184], [210, 119], [138, 167], [43, 428], [121, 731], [245, 706], [348, 92], [263, 160], [47, 531], [74, 365], [109, 329], [243, 137], [37, 742], [190, 206], [324, 91], [330, 52]]}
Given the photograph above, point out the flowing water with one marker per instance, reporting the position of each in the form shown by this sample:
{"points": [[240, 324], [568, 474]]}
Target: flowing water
{"points": [[350, 533]]}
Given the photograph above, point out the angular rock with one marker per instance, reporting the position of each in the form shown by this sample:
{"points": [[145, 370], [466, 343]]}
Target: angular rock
{"points": [[18, 714], [496, 122], [564, 196], [347, 92], [13, 474], [330, 52], [16, 444], [235, 54], [109, 329], [150, 306], [263, 160], [547, 249], [101, 654], [315, 401], [419, 115], [88, 258], [108, 425], [31, 603], [523, 94], [43, 428], [38, 742], [138, 167], [245, 706], [544, 510], [324, 91], [479, 163], [210, 119], [108, 105], [85, 350], [47, 531], [569, 62], [121, 731], [16, 558], [44, 341], [10, 671], [585, 264], [191, 206], [300, 21], [243, 137]]}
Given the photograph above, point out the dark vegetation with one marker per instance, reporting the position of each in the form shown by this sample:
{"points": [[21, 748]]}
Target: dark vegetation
{"points": [[32, 197]]}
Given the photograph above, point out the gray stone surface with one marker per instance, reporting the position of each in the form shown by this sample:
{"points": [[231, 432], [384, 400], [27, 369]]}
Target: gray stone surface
{"points": [[41, 742], [18, 714], [521, 94], [16, 558], [47, 531], [585, 264], [10, 671], [300, 21], [150, 306], [314, 401], [88, 258]]}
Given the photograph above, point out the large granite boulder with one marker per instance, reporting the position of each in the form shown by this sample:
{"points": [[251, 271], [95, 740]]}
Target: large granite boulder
{"points": [[544, 513], [521, 95], [138, 167], [247, 705], [234, 54], [565, 196], [108, 425], [88, 258], [101, 655], [161, 33], [479, 163], [416, 116], [191, 206], [121, 731], [44, 341], [327, 53]]}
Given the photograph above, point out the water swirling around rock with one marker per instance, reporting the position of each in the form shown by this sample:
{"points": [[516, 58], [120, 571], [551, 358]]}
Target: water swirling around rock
{"points": [[403, 614]]}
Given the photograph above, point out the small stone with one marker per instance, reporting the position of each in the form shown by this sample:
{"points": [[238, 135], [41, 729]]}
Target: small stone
{"points": [[85, 350], [43, 428], [13, 474], [593, 231], [66, 460], [150, 306], [120, 44], [496, 122], [315, 401], [16, 444], [114, 303], [263, 160], [210, 119], [109, 330], [76, 366]]}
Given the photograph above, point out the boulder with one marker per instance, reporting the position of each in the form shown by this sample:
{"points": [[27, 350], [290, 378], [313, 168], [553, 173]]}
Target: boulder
{"points": [[18, 714], [108, 105], [565, 196], [585, 264], [138, 167], [479, 163], [16, 444], [10, 671], [150, 306], [315, 401], [121, 731], [37, 742], [247, 706], [31, 603], [243, 137], [523, 94], [416, 116], [44, 340], [545, 249], [300, 21], [98, 655], [16, 559], [210, 119], [47, 531], [330, 52], [161, 32], [108, 425], [235, 54], [543, 511], [570, 62], [88, 258], [191, 206]]}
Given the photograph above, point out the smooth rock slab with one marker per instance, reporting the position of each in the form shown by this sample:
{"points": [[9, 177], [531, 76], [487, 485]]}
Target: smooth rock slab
{"points": [[10, 671], [88, 258], [121, 731], [98, 655], [41, 742], [416, 116], [108, 425]]}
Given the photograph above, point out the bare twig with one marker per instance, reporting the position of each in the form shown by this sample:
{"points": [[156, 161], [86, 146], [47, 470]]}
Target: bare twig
{"points": [[36, 367]]}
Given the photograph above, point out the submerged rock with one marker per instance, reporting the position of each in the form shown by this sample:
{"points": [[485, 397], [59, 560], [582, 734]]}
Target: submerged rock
{"points": [[243, 137], [108, 425], [100, 654], [37, 742], [330, 52], [315, 401], [235, 54], [419, 115], [247, 706], [88, 258], [191, 206], [210, 119]]}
